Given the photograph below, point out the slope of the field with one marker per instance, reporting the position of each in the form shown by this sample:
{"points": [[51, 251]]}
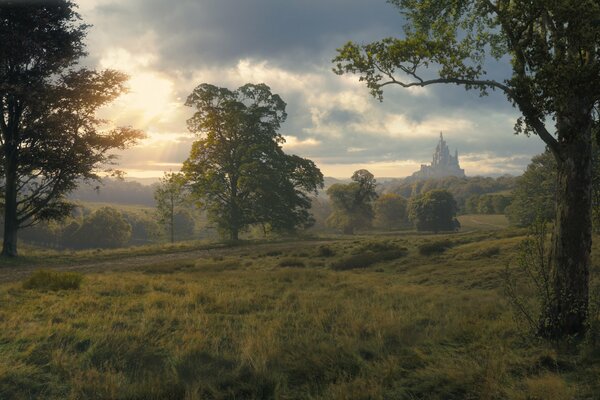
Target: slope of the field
{"points": [[291, 320]]}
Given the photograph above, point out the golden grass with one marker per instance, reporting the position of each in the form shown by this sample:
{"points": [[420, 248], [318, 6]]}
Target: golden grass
{"points": [[243, 327]]}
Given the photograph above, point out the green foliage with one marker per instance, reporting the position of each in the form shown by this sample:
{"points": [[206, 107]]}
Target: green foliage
{"points": [[533, 261], [104, 228], [52, 137], [170, 195], [535, 192], [237, 167], [144, 228], [465, 190], [352, 203], [434, 211], [438, 247], [487, 204], [43, 279], [325, 251], [390, 211]]}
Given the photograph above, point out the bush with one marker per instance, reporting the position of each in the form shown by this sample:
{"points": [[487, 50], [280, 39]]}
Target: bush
{"points": [[427, 249], [291, 262], [52, 280], [489, 252], [364, 260], [378, 247], [325, 251]]}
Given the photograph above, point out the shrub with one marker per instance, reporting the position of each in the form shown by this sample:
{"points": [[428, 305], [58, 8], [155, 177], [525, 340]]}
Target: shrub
{"points": [[325, 251], [489, 252], [364, 260], [427, 249], [378, 246], [291, 262], [51, 280]]}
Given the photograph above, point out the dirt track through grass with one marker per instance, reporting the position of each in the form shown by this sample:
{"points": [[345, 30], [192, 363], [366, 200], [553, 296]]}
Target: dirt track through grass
{"points": [[17, 273]]}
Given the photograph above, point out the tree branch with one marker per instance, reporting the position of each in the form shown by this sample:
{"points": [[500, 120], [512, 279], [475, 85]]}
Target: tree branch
{"points": [[457, 81]]}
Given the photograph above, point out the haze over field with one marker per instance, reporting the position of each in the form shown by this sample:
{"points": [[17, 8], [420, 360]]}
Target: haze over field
{"points": [[170, 47]]}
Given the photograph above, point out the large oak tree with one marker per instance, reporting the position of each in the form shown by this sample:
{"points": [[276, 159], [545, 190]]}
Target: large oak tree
{"points": [[553, 47], [237, 166], [50, 136]]}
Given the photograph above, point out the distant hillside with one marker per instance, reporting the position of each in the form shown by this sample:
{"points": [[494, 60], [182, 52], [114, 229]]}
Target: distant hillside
{"points": [[115, 191]]}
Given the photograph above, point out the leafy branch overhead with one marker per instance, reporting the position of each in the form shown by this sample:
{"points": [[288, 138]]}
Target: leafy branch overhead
{"points": [[552, 46]]}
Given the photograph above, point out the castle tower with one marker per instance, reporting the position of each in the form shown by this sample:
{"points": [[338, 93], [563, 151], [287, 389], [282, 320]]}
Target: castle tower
{"points": [[443, 163]]}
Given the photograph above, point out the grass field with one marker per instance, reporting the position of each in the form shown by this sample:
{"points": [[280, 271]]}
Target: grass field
{"points": [[368, 317], [483, 221]]}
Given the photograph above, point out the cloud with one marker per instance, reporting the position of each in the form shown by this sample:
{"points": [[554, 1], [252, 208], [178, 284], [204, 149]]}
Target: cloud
{"points": [[168, 48], [292, 143]]}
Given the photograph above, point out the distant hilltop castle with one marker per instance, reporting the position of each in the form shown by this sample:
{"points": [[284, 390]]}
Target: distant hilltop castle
{"points": [[443, 164]]}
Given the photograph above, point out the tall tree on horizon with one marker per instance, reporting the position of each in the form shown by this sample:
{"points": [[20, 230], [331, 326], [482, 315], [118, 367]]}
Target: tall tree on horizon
{"points": [[237, 167], [50, 136], [554, 50]]}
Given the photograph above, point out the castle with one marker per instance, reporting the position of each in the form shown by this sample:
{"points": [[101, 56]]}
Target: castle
{"points": [[443, 164]]}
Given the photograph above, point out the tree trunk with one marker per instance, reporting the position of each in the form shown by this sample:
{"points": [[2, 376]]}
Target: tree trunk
{"points": [[567, 309], [234, 234], [11, 226]]}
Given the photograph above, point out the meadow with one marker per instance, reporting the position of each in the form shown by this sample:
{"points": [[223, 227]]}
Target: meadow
{"points": [[379, 316]]}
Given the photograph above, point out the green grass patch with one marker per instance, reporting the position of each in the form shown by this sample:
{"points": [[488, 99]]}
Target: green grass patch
{"points": [[365, 260], [44, 279], [437, 247], [292, 262]]}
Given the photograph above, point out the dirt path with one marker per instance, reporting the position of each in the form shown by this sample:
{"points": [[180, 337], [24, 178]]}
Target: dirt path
{"points": [[12, 274]]}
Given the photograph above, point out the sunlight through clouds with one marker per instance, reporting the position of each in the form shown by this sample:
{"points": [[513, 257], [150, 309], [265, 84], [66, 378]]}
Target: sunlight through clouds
{"points": [[151, 98]]}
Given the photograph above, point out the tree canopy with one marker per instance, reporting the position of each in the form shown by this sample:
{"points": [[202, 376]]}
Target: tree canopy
{"points": [[50, 136], [534, 194], [351, 203], [237, 167], [390, 211], [433, 211], [554, 78]]}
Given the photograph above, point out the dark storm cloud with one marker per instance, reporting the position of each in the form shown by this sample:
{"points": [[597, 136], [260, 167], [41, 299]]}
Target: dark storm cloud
{"points": [[293, 34]]}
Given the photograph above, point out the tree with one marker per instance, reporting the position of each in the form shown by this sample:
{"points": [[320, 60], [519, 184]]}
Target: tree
{"points": [[534, 194], [50, 136], [104, 228], [390, 211], [170, 195], [185, 223], [352, 202], [554, 51], [237, 167], [144, 227], [433, 211]]}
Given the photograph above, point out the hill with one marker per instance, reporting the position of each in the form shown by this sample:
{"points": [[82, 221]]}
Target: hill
{"points": [[372, 317]]}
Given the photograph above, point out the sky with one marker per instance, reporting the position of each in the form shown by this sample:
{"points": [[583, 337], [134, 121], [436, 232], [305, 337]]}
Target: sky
{"points": [[170, 47]]}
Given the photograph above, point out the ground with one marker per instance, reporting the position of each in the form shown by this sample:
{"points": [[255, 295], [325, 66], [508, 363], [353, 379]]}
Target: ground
{"points": [[365, 317]]}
